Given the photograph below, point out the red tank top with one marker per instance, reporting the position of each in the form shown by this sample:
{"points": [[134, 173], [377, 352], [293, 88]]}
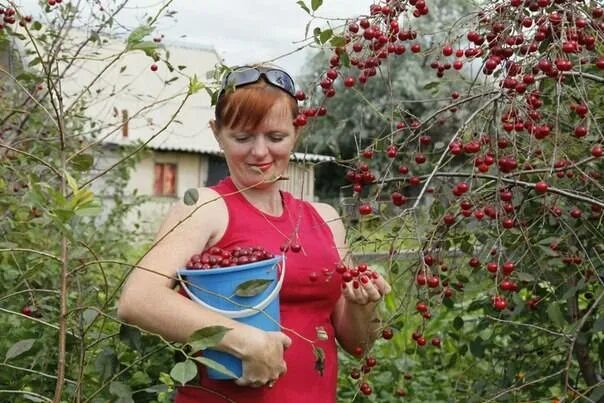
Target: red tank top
{"points": [[306, 301]]}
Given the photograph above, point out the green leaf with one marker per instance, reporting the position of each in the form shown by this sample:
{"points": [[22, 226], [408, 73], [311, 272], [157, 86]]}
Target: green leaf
{"points": [[195, 86], [34, 62], [191, 197], [89, 315], [206, 337], [82, 162], [71, 182], [215, 366], [138, 34], [315, 4], [431, 85], [555, 314], [524, 276], [477, 347], [120, 389], [106, 364], [184, 372], [325, 36], [303, 6], [132, 337], [458, 322], [598, 325], [316, 33], [337, 41], [36, 26], [251, 288], [319, 359], [344, 59], [89, 211], [20, 347]]}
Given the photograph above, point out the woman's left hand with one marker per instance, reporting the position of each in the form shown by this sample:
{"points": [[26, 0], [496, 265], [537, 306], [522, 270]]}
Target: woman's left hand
{"points": [[369, 290]]}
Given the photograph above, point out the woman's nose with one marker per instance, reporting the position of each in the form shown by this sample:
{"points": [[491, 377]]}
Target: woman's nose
{"points": [[259, 147]]}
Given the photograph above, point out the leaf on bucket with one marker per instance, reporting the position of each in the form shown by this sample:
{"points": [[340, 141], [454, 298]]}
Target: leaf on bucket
{"points": [[184, 372], [215, 366], [251, 288], [206, 337]]}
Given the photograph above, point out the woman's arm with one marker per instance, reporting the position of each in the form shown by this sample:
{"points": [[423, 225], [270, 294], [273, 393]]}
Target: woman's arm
{"points": [[354, 317], [149, 300]]}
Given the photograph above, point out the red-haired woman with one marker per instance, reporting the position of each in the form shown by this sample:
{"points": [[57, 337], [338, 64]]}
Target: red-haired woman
{"points": [[254, 127]]}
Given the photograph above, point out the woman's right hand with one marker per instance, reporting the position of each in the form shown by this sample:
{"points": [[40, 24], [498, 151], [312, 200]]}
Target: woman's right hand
{"points": [[262, 359]]}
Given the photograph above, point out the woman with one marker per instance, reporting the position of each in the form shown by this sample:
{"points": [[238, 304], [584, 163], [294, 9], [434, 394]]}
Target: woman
{"points": [[254, 127]]}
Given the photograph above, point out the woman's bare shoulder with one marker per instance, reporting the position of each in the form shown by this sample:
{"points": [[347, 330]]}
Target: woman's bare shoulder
{"points": [[207, 215]]}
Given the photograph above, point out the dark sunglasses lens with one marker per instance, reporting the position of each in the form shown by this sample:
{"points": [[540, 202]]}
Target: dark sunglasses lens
{"points": [[281, 79], [242, 77]]}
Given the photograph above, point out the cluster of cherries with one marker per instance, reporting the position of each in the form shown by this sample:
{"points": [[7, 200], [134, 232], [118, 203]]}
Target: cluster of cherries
{"points": [[216, 257], [9, 17], [355, 275]]}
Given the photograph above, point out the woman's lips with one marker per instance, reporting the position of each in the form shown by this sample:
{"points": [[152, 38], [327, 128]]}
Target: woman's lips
{"points": [[264, 167]]}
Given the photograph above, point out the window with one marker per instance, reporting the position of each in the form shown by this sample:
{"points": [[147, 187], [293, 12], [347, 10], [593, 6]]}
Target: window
{"points": [[165, 180]]}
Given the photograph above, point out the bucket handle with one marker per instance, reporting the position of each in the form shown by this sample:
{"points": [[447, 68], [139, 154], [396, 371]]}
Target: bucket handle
{"points": [[244, 312]]}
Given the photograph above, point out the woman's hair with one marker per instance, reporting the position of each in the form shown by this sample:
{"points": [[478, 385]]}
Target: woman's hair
{"points": [[245, 107]]}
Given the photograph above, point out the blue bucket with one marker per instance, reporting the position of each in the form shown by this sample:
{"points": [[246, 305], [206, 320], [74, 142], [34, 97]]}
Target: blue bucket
{"points": [[214, 289]]}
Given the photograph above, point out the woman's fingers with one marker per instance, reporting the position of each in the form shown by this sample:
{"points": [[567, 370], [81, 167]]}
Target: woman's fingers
{"points": [[367, 291]]}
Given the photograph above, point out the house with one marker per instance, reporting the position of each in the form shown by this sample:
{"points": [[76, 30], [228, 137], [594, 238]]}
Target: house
{"points": [[134, 102]]}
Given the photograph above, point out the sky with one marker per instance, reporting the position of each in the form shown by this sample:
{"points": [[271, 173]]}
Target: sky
{"points": [[242, 31], [247, 31]]}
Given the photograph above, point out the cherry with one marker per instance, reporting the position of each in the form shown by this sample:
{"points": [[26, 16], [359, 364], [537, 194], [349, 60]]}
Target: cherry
{"points": [[433, 281], [391, 151], [541, 187], [421, 307], [300, 95], [499, 303], [368, 153], [365, 209], [398, 199], [387, 333], [508, 267], [597, 151], [154, 67], [449, 219], [436, 341], [366, 389]]}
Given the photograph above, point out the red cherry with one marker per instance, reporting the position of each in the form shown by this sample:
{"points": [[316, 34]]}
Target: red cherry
{"points": [[597, 151], [541, 187], [436, 341], [449, 219], [300, 95], [365, 209], [387, 333], [433, 281], [398, 199], [349, 82], [508, 267], [391, 151], [154, 67]]}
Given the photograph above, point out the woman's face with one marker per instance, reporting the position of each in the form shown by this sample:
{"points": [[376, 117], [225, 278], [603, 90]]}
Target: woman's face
{"points": [[263, 154]]}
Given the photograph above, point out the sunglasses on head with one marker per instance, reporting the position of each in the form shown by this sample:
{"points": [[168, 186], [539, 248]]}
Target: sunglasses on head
{"points": [[248, 75]]}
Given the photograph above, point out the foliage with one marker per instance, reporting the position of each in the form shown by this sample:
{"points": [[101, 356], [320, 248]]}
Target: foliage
{"points": [[492, 232]]}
